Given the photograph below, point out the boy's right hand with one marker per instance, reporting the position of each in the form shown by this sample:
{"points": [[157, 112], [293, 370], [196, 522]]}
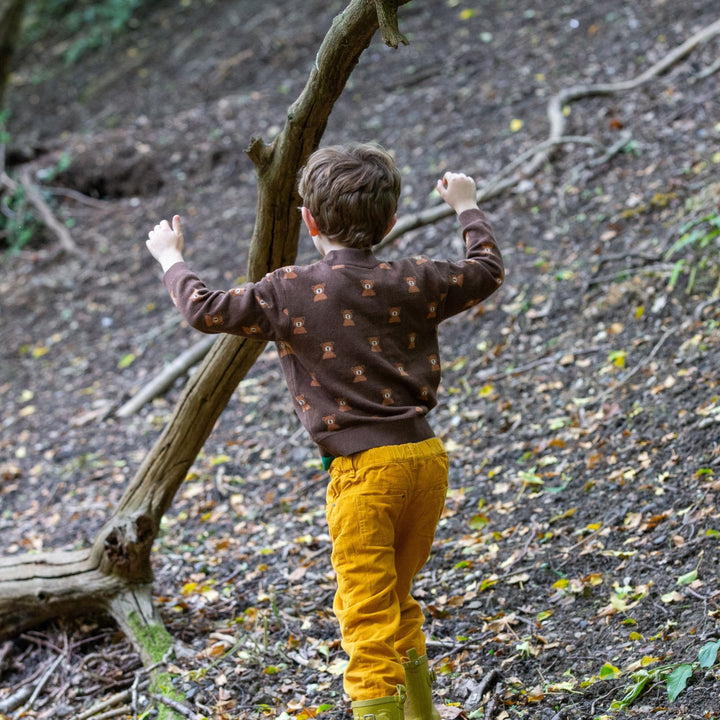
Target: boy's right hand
{"points": [[458, 191], [165, 243]]}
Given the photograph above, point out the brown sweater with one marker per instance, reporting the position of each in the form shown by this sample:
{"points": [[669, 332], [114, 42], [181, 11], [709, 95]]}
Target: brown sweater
{"points": [[357, 337]]}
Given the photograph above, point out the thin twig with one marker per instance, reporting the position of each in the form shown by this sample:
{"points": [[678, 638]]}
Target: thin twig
{"points": [[454, 650], [592, 535], [115, 712], [41, 684], [708, 71], [555, 112], [174, 705], [700, 309], [120, 697]]}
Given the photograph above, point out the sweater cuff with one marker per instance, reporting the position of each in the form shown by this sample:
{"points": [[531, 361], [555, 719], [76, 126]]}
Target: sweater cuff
{"points": [[466, 217], [172, 273]]}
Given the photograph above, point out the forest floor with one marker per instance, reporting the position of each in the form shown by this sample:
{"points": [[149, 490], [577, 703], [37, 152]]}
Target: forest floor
{"points": [[576, 564]]}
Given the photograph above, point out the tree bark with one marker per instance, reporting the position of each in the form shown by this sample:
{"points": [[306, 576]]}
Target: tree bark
{"points": [[11, 13], [114, 575]]}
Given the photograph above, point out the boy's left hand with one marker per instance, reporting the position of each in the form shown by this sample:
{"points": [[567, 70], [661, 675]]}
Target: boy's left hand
{"points": [[165, 243]]}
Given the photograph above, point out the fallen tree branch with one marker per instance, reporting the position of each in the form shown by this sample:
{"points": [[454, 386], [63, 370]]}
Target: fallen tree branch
{"points": [[160, 383], [36, 199]]}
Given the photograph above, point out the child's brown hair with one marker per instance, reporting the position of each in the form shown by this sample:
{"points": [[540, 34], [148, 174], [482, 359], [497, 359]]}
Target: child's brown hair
{"points": [[352, 192]]}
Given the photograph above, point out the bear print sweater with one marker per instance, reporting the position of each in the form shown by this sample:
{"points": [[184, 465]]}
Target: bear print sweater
{"points": [[356, 336]]}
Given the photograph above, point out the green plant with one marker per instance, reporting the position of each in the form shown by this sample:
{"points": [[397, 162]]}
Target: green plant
{"points": [[93, 24], [17, 223], [698, 234], [675, 676]]}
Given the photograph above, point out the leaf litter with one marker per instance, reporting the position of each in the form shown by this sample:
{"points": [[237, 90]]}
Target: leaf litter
{"points": [[576, 563]]}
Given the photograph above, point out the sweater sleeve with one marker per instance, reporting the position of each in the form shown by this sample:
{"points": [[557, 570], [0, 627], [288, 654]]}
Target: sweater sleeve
{"points": [[480, 274], [252, 310]]}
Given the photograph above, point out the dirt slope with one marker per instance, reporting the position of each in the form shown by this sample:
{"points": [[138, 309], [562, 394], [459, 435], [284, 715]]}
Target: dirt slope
{"points": [[581, 410]]}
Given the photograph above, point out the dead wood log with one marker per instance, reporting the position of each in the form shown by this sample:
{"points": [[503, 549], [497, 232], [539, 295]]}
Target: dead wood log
{"points": [[114, 575]]}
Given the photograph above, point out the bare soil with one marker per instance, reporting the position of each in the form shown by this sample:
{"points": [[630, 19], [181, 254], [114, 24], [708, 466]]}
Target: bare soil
{"points": [[581, 404]]}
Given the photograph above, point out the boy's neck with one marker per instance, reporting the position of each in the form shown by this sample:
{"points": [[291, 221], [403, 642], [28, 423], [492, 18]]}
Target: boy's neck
{"points": [[324, 245]]}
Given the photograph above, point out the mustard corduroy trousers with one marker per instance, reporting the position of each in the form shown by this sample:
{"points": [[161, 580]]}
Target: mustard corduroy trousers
{"points": [[383, 506]]}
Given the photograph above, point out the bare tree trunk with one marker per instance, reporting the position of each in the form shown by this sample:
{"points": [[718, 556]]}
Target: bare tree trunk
{"points": [[11, 13], [114, 576]]}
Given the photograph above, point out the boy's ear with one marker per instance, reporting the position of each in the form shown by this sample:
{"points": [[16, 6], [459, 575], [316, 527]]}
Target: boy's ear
{"points": [[391, 225], [309, 221]]}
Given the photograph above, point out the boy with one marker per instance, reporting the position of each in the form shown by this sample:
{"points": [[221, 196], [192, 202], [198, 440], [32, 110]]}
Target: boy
{"points": [[357, 340]]}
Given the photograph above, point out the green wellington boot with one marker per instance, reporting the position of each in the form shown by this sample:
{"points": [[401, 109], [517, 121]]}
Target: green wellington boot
{"points": [[386, 708], [418, 681]]}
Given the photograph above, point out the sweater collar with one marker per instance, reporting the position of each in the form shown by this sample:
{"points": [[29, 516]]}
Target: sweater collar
{"points": [[351, 256]]}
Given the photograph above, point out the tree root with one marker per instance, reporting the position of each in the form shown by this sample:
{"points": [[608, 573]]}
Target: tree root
{"points": [[37, 201], [576, 92], [46, 215]]}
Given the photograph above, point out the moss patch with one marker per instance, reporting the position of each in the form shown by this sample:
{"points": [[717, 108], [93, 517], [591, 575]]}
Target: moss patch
{"points": [[155, 638], [157, 642]]}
